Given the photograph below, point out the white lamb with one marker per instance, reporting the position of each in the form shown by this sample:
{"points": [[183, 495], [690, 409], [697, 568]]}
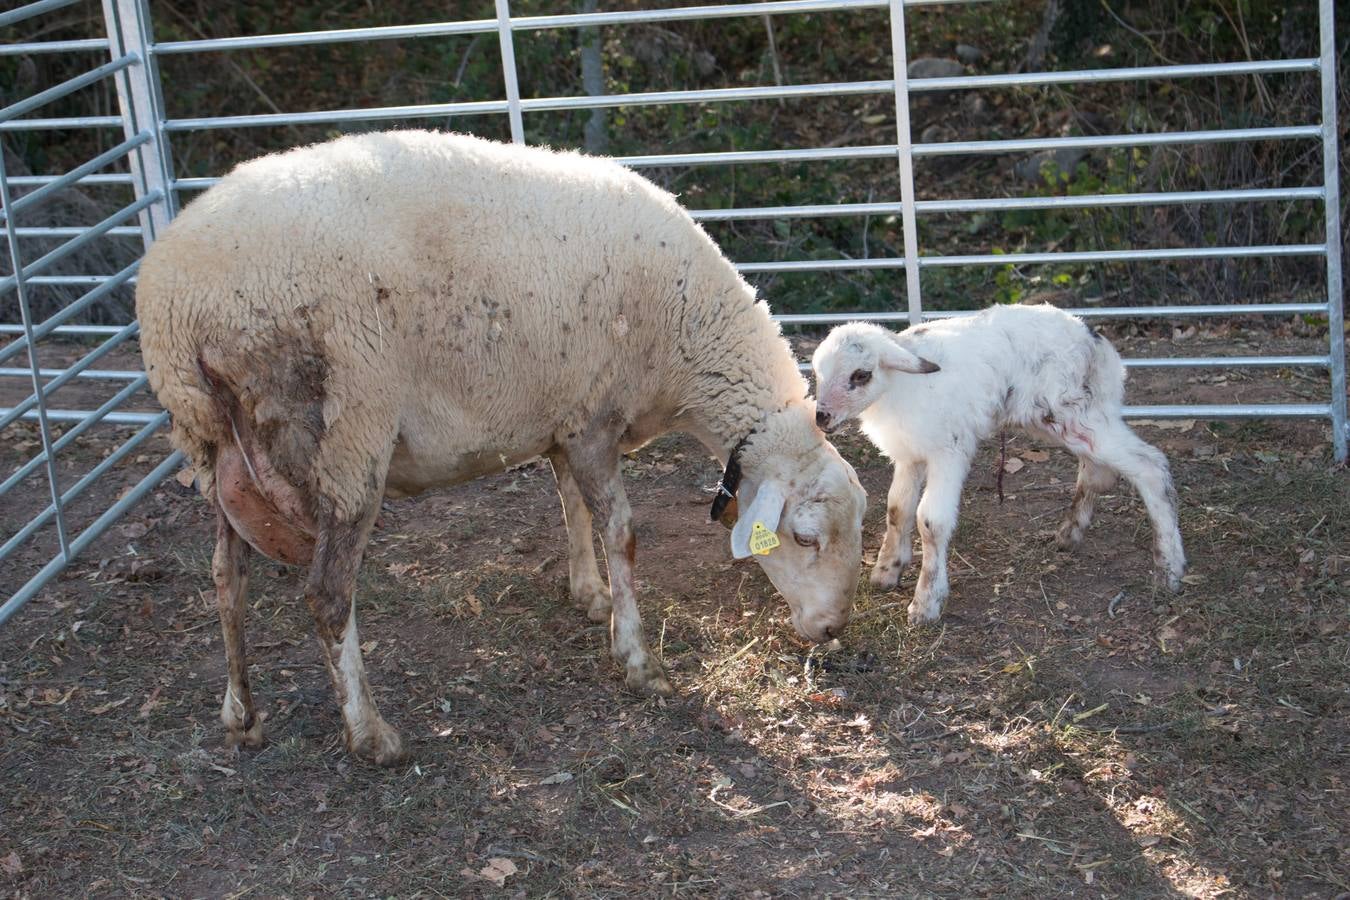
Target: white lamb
{"points": [[928, 396], [388, 313]]}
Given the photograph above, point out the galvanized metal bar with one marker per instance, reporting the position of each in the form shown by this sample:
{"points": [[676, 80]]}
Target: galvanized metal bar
{"points": [[1227, 362], [836, 210], [65, 330], [69, 280], [63, 376], [1340, 424], [91, 374], [532, 23], [709, 95], [31, 47], [74, 432], [909, 223], [79, 415], [61, 182], [508, 48], [1164, 138], [69, 86], [147, 431], [62, 124], [1231, 411], [39, 180], [723, 11], [90, 534], [998, 259], [1098, 76], [142, 106], [744, 157], [26, 317], [56, 231], [14, 16], [260, 120], [1101, 312], [8, 283]]}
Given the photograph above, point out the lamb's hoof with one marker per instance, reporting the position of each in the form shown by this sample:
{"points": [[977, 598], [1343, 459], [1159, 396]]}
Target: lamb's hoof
{"points": [[1172, 581], [251, 737], [595, 600], [1068, 538], [925, 614], [379, 745], [649, 680], [886, 577]]}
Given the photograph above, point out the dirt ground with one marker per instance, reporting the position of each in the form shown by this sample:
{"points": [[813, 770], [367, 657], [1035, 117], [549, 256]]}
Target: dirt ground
{"points": [[1066, 730]]}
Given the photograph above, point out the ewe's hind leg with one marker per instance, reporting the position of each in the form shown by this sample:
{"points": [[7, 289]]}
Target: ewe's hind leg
{"points": [[897, 548], [229, 570], [1146, 468], [598, 478], [1093, 478], [330, 595], [938, 512], [583, 575]]}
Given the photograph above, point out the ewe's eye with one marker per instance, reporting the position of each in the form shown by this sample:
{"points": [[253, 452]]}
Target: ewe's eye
{"points": [[859, 378], [806, 540]]}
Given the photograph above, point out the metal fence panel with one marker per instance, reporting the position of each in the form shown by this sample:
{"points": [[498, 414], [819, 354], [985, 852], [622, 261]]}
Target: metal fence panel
{"points": [[142, 161]]}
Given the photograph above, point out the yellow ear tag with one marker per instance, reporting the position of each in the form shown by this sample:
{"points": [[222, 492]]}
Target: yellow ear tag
{"points": [[762, 540]]}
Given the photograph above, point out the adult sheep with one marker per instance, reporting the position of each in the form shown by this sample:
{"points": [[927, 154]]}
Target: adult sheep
{"points": [[387, 313]]}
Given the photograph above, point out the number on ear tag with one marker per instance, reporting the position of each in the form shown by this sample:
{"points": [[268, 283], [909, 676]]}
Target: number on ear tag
{"points": [[762, 540]]}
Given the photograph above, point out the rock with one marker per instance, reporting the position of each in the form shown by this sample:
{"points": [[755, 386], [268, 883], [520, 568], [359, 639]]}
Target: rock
{"points": [[968, 54], [1065, 160], [934, 67]]}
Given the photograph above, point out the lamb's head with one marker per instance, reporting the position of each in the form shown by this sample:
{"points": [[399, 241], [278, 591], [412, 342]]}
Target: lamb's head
{"points": [[800, 510], [853, 367]]}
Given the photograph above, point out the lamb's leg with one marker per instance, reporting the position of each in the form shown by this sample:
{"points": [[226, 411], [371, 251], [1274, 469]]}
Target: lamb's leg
{"points": [[1093, 478], [1145, 467], [601, 484], [330, 594], [897, 548], [229, 570], [583, 575], [937, 512]]}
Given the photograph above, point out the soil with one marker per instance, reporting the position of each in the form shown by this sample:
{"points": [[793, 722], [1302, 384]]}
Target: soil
{"points": [[1065, 730]]}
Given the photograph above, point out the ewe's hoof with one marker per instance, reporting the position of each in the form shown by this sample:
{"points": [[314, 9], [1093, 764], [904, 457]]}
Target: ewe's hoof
{"points": [[924, 615], [252, 738], [886, 577], [595, 600], [379, 745], [649, 680], [1172, 581]]}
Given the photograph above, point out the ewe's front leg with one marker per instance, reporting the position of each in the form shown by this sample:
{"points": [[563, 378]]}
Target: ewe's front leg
{"points": [[938, 512], [599, 480], [583, 575], [897, 548]]}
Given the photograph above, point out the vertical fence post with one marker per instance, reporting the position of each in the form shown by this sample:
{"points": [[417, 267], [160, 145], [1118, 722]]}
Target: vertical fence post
{"points": [[905, 152], [21, 291], [508, 45], [142, 106], [1332, 214]]}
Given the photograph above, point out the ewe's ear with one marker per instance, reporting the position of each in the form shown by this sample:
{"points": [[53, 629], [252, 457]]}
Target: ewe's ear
{"points": [[766, 507], [897, 358]]}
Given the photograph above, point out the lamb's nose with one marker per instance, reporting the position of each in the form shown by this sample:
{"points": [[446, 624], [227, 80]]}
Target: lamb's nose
{"points": [[822, 419]]}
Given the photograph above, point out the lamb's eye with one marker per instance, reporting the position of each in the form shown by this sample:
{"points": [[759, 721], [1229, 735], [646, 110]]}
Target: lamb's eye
{"points": [[806, 540], [859, 378]]}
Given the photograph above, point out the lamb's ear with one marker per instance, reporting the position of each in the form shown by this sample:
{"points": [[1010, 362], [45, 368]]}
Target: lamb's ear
{"points": [[766, 508], [894, 356]]}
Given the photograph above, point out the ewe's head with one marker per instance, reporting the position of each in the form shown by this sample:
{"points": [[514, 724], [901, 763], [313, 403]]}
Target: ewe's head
{"points": [[808, 506], [854, 366]]}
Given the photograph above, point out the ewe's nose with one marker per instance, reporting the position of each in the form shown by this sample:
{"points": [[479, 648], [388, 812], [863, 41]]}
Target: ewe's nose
{"points": [[822, 419]]}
